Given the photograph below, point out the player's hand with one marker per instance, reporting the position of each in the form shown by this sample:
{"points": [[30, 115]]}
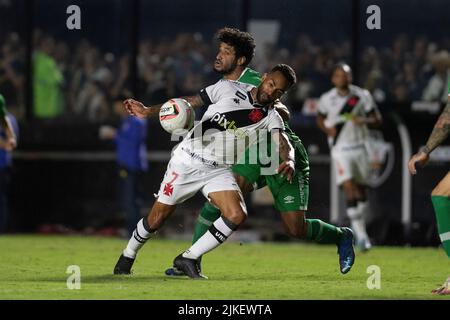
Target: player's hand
{"points": [[420, 158], [287, 168], [359, 121], [135, 108]]}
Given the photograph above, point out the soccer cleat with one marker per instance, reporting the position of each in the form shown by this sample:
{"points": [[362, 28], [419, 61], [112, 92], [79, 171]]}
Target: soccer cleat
{"points": [[444, 289], [190, 267], [123, 265], [345, 250], [364, 245], [174, 272]]}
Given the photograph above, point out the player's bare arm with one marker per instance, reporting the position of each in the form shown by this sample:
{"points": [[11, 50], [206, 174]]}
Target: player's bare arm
{"points": [[138, 109], [287, 154], [440, 132], [373, 119], [329, 131]]}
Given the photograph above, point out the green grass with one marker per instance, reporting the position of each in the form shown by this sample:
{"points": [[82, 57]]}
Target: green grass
{"points": [[34, 267]]}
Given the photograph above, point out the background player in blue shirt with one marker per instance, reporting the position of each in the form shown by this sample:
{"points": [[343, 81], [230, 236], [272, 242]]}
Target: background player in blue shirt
{"points": [[131, 153]]}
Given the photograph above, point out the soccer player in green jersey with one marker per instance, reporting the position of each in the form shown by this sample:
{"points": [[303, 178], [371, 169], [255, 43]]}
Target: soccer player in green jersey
{"points": [[440, 196], [291, 199]]}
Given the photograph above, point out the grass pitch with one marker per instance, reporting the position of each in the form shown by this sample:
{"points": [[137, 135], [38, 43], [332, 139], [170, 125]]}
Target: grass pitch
{"points": [[34, 267]]}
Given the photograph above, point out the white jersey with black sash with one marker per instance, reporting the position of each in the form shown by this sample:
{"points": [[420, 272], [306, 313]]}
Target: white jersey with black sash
{"points": [[339, 110], [230, 124]]}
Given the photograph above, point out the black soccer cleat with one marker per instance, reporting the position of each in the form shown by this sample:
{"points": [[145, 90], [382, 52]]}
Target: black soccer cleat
{"points": [[190, 267], [123, 265], [175, 272]]}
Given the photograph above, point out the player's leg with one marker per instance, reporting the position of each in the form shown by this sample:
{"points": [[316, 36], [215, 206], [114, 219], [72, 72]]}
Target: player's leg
{"points": [[320, 232], [225, 194], [143, 231], [355, 212], [362, 205], [245, 176], [209, 213], [440, 196], [291, 200], [179, 184]]}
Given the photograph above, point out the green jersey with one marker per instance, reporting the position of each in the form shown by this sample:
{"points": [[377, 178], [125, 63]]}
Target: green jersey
{"points": [[250, 76], [288, 197], [2, 107]]}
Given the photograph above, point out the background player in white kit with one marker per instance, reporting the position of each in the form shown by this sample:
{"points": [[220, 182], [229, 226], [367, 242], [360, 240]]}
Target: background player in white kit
{"points": [[202, 162], [344, 114]]}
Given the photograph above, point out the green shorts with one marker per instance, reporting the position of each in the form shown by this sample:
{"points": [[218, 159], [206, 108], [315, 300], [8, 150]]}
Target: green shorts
{"points": [[287, 196]]}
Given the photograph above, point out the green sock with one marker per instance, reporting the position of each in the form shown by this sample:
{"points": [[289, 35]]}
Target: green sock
{"points": [[441, 206], [322, 232], [207, 216]]}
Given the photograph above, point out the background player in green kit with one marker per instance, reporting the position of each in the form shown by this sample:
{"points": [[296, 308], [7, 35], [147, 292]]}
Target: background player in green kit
{"points": [[440, 196], [291, 199]]}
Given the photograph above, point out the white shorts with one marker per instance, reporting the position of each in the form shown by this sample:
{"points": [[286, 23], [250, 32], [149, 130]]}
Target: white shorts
{"points": [[182, 182], [351, 164]]}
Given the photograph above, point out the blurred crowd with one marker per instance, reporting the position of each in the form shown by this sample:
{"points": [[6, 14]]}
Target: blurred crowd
{"points": [[80, 81]]}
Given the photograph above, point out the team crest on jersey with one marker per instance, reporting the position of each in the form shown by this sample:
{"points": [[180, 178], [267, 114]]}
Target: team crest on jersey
{"points": [[168, 189], [353, 101], [256, 115]]}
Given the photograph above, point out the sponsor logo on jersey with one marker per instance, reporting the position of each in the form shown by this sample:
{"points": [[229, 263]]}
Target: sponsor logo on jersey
{"points": [[228, 125], [289, 199]]}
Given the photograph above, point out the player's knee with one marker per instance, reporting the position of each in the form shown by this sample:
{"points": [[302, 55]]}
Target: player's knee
{"points": [[236, 216]]}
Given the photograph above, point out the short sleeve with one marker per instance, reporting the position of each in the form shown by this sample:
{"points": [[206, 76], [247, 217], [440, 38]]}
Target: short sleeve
{"points": [[212, 93], [369, 102], [321, 106], [275, 121]]}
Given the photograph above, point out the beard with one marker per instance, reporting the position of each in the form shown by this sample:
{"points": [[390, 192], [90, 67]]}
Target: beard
{"points": [[226, 69], [263, 97]]}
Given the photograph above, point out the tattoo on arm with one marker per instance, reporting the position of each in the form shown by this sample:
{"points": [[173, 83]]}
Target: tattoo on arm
{"points": [[440, 131]]}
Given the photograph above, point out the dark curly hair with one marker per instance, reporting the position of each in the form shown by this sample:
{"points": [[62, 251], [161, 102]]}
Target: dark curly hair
{"points": [[242, 42], [287, 72]]}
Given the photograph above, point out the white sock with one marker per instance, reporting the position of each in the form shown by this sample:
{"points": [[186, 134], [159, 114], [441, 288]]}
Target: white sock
{"points": [[137, 240], [216, 235], [358, 223]]}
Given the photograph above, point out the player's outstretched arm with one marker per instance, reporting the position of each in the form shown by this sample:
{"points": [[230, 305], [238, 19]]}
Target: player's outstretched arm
{"points": [[440, 132], [287, 154], [138, 109]]}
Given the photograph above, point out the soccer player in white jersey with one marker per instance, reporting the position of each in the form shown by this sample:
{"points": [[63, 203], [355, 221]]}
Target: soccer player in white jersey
{"points": [[201, 162], [344, 115]]}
